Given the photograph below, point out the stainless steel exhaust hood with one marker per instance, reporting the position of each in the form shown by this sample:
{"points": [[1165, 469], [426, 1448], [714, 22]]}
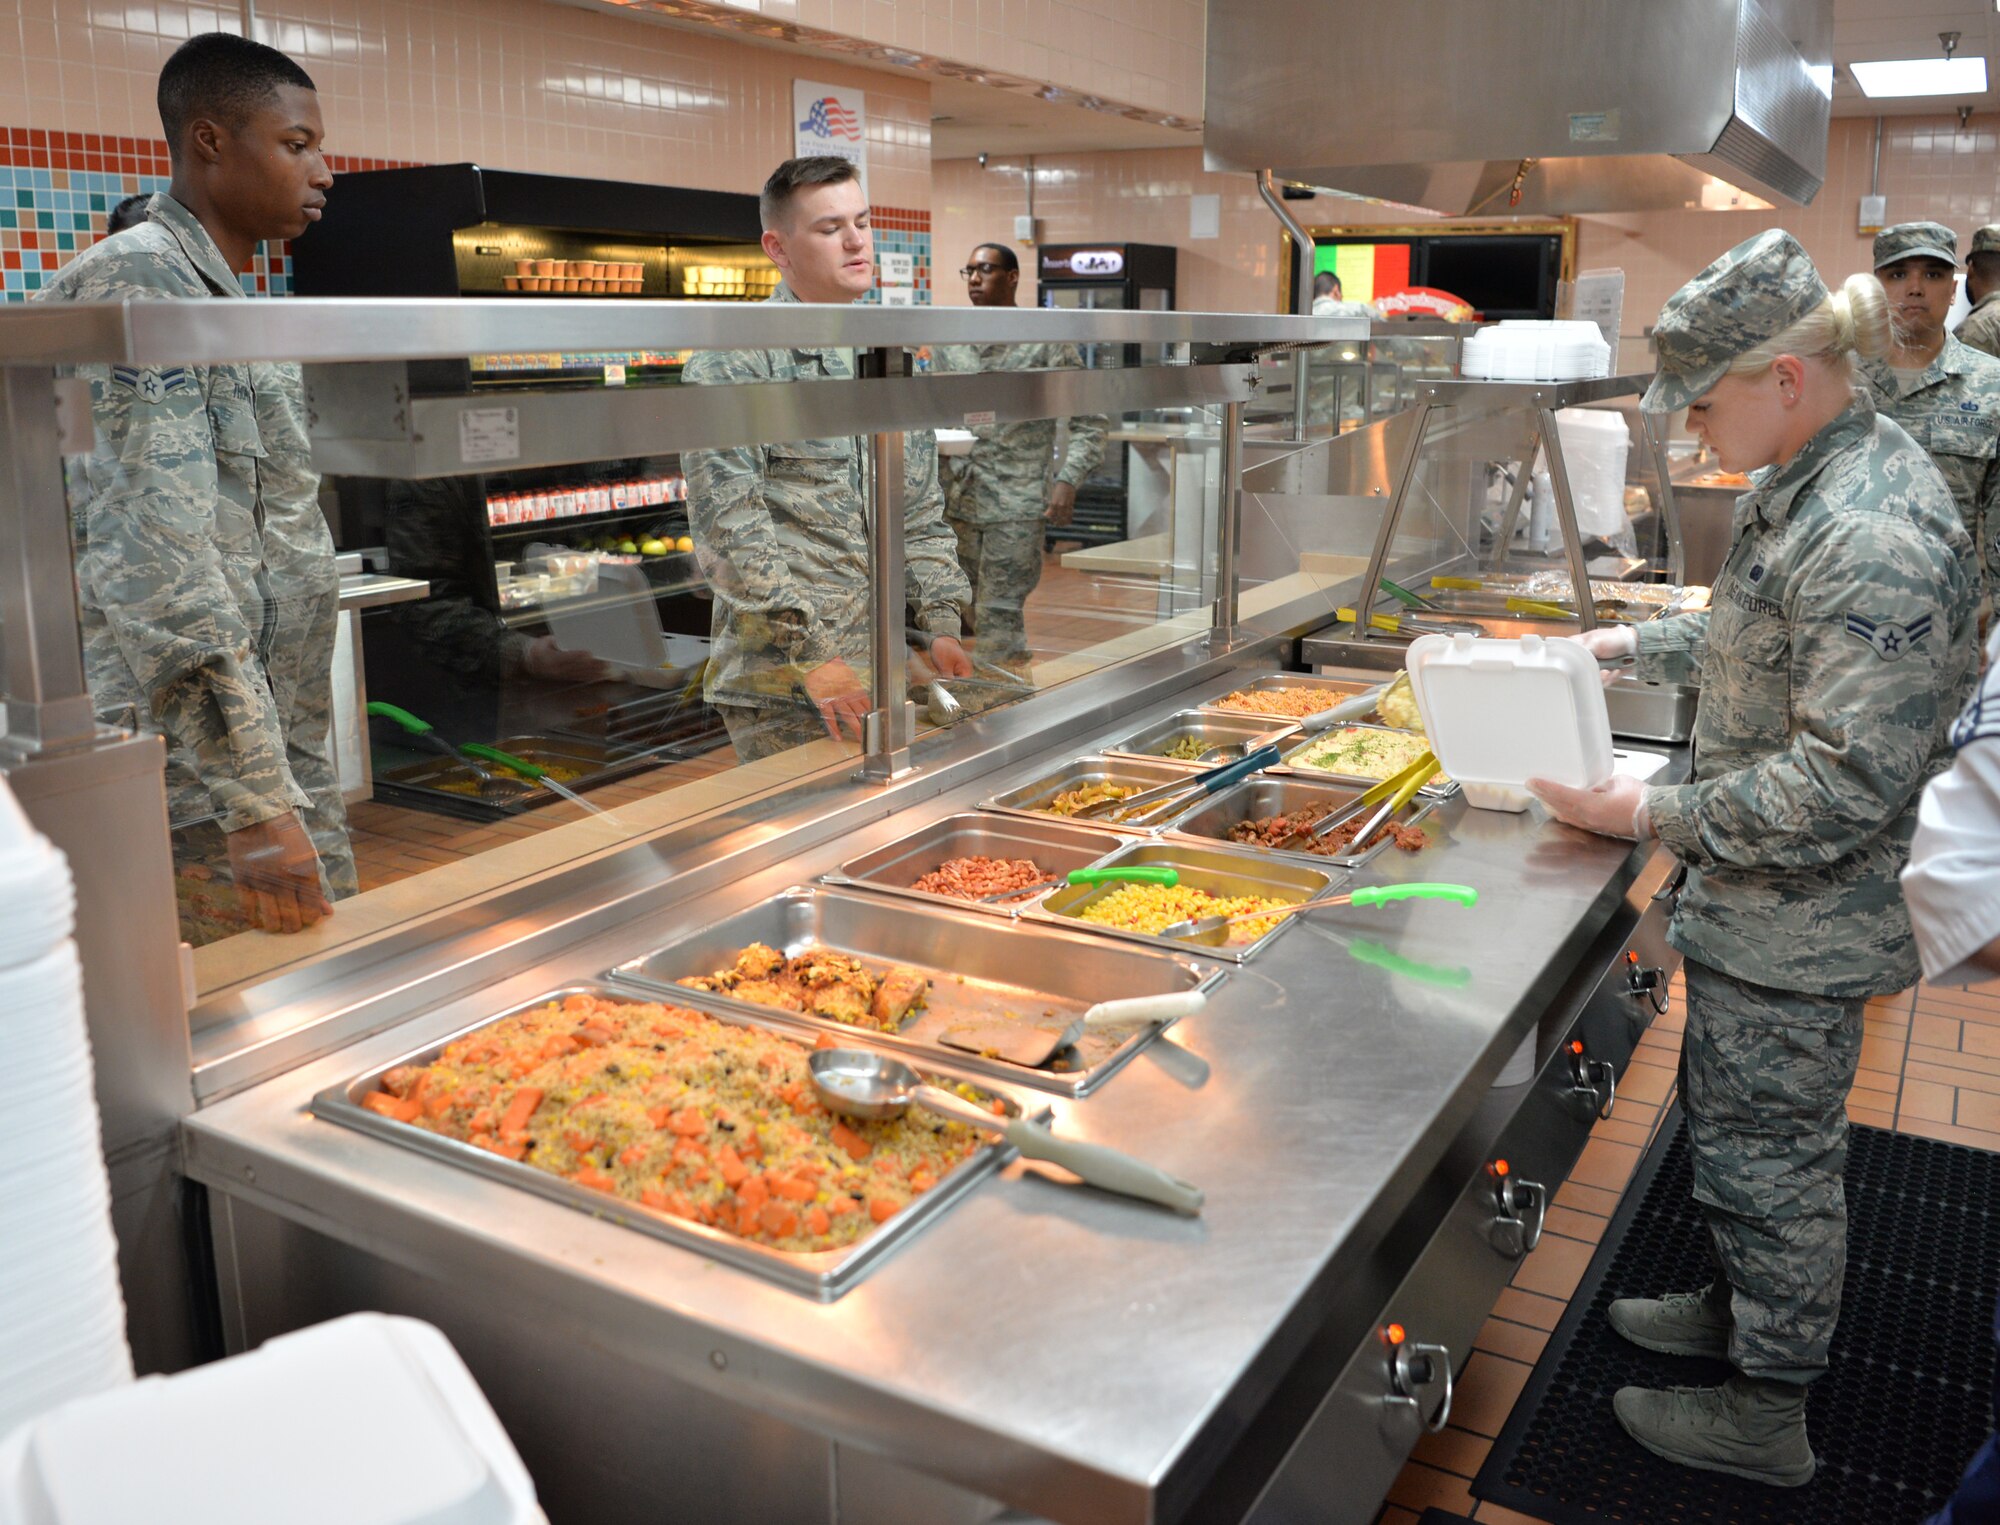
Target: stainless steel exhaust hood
{"points": [[1525, 106]]}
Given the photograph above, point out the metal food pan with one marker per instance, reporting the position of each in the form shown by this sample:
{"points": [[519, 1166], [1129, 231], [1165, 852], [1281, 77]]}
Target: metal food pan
{"points": [[593, 763], [1286, 768], [1092, 768], [1210, 727], [1220, 871], [823, 1274], [983, 969], [1053, 843], [1651, 711], [1256, 798], [974, 695], [1337, 689]]}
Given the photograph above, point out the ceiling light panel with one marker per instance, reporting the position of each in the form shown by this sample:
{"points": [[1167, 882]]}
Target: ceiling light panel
{"points": [[1882, 79]]}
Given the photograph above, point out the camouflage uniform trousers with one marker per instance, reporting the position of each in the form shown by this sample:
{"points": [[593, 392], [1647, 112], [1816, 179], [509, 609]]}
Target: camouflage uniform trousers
{"points": [[764, 730], [1003, 562], [299, 674], [1764, 1079]]}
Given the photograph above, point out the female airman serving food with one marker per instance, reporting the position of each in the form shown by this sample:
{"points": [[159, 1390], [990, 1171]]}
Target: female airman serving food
{"points": [[1839, 646]]}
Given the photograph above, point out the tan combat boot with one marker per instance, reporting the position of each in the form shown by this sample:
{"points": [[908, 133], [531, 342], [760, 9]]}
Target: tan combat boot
{"points": [[1677, 1324], [1746, 1427]]}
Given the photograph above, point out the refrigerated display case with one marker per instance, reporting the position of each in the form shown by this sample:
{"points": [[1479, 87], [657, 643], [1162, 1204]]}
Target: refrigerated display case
{"points": [[483, 539], [1108, 278]]}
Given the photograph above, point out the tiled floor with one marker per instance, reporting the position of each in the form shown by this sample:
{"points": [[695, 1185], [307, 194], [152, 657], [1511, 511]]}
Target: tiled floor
{"points": [[1930, 1065]]}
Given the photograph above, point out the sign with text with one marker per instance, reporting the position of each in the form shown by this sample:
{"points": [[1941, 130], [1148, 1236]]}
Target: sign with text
{"points": [[830, 119], [899, 269], [1083, 262]]}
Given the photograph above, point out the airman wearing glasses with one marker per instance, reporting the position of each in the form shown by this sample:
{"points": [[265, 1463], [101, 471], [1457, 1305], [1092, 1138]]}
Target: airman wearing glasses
{"points": [[1012, 482]]}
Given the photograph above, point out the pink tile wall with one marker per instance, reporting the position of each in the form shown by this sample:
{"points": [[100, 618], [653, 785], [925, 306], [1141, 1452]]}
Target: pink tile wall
{"points": [[1129, 196], [1930, 169], [1142, 52], [516, 84]]}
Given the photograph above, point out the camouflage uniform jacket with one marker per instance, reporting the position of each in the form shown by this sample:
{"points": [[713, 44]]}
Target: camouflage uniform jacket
{"points": [[1838, 647], [204, 565], [1955, 415], [781, 532], [1005, 476], [1981, 328]]}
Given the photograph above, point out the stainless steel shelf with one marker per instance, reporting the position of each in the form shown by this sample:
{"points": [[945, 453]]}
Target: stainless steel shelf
{"points": [[352, 328], [365, 424]]}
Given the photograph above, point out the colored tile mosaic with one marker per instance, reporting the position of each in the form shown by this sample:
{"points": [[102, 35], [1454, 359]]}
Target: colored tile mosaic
{"points": [[57, 189], [901, 230]]}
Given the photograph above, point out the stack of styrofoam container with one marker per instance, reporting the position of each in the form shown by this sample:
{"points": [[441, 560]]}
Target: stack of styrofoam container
{"points": [[62, 1318], [367, 1420], [1533, 350]]}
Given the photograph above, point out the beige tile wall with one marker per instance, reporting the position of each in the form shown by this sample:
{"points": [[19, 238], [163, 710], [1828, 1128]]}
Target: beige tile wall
{"points": [[1143, 52], [1133, 196], [516, 84], [1930, 169]]}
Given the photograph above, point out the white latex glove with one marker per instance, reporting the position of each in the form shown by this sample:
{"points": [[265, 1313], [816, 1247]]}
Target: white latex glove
{"points": [[543, 658], [1608, 641], [1614, 808]]}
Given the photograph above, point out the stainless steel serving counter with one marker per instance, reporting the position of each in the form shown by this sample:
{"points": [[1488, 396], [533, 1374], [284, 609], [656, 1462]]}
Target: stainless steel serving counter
{"points": [[1064, 1352]]}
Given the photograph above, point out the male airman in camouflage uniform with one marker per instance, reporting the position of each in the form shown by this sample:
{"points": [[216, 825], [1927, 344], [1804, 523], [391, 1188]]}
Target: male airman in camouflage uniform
{"points": [[782, 530], [1838, 647], [204, 564], [1000, 493], [1981, 328], [1944, 394]]}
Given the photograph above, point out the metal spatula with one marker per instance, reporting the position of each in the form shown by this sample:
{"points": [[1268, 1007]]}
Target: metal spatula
{"points": [[1135, 873], [421, 733], [1202, 926], [1036, 1046]]}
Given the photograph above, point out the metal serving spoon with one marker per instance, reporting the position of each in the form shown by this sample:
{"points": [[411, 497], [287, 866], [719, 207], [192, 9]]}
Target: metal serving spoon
{"points": [[874, 1086], [1202, 926]]}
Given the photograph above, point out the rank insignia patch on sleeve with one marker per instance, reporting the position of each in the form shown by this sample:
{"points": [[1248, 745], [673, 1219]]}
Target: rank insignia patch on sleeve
{"points": [[151, 385], [1890, 640]]}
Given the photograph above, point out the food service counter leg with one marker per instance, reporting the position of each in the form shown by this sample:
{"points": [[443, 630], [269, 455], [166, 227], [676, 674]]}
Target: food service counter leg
{"points": [[606, 1438]]}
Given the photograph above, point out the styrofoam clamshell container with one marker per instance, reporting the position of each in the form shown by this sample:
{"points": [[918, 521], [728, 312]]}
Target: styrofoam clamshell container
{"points": [[369, 1420], [1500, 712], [1527, 349]]}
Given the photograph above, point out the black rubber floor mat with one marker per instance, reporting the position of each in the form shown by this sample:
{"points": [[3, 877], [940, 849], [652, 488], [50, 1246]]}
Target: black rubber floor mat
{"points": [[1906, 1403]]}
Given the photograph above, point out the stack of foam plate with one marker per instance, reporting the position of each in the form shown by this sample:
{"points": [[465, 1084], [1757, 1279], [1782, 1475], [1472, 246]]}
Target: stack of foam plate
{"points": [[1532, 350], [62, 1320]]}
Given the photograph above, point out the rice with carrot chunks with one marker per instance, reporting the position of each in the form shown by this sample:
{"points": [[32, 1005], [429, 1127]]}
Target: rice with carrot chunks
{"points": [[670, 1109]]}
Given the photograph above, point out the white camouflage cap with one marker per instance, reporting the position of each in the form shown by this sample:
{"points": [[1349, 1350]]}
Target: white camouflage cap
{"points": [[1755, 292]]}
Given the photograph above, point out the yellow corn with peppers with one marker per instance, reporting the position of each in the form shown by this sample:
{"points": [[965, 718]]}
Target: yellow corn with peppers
{"points": [[1151, 907]]}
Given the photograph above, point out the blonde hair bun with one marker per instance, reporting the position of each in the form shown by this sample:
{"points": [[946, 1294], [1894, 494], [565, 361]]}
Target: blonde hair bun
{"points": [[1860, 318]]}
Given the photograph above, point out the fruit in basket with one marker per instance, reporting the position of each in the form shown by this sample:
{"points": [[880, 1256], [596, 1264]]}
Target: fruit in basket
{"points": [[653, 548], [628, 548], [685, 545]]}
